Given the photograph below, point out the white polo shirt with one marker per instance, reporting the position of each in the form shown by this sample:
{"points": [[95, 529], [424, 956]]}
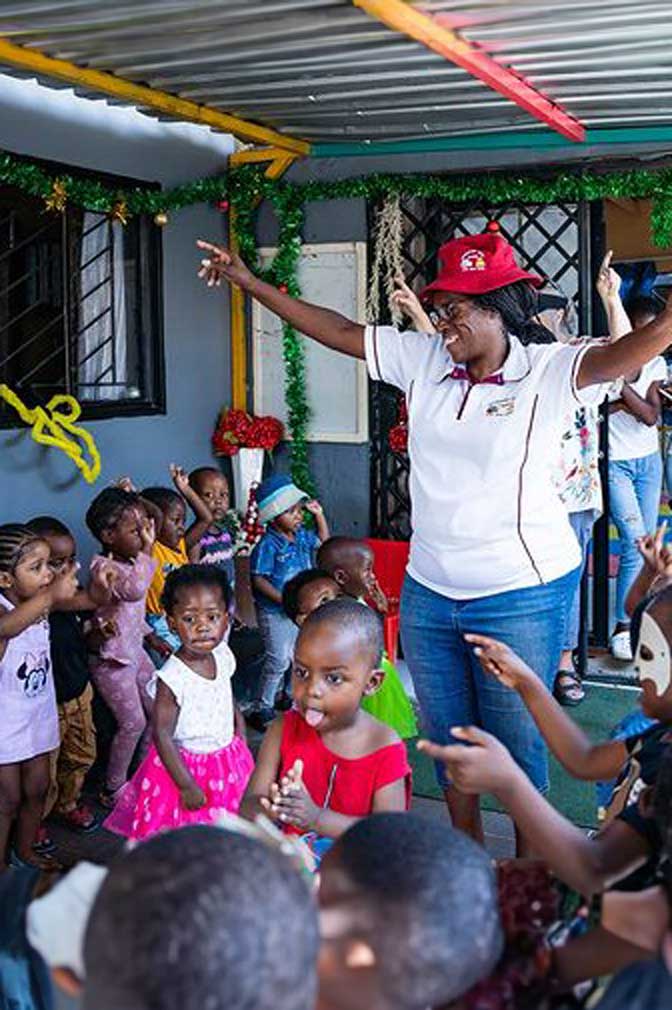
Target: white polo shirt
{"points": [[486, 517]]}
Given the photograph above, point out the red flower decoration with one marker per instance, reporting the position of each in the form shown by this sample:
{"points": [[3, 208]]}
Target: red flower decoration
{"points": [[398, 438], [236, 429]]}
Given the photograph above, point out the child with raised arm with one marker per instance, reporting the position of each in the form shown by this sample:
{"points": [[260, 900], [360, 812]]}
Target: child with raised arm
{"points": [[29, 591], [350, 562], [174, 546], [121, 669], [199, 764], [285, 549], [629, 840], [327, 763]]}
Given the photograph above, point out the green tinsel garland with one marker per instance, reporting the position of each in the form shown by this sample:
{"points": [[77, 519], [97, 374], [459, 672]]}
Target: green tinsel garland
{"points": [[246, 185]]}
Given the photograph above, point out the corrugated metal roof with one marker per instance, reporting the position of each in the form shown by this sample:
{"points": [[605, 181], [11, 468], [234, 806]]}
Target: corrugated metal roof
{"points": [[324, 70]]}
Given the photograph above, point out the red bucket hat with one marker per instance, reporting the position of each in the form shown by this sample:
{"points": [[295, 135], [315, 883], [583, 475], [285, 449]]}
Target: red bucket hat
{"points": [[475, 264]]}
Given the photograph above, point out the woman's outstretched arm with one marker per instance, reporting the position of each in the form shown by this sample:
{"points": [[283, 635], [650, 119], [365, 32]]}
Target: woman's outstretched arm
{"points": [[327, 327]]}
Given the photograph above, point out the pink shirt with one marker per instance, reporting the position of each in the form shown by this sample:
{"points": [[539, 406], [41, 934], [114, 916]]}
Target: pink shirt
{"points": [[128, 609]]}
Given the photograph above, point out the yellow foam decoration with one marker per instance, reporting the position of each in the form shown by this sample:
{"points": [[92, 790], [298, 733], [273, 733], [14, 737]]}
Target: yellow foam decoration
{"points": [[54, 425]]}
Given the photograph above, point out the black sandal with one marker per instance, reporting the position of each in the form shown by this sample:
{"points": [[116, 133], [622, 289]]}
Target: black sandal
{"points": [[568, 689]]}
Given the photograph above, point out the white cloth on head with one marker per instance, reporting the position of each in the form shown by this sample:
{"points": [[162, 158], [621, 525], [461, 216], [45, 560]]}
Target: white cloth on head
{"points": [[56, 923]]}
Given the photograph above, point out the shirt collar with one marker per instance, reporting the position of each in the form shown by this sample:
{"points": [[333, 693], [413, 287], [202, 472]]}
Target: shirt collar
{"points": [[516, 367]]}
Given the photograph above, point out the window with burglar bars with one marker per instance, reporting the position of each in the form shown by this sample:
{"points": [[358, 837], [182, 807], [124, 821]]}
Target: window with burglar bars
{"points": [[549, 239], [79, 308]]}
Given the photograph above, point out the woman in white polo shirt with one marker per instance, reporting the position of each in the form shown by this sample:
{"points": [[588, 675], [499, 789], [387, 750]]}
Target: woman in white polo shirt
{"points": [[635, 469], [492, 550]]}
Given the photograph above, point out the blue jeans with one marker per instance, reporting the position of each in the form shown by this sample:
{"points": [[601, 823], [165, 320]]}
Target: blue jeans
{"points": [[634, 498], [279, 635], [582, 523], [450, 684]]}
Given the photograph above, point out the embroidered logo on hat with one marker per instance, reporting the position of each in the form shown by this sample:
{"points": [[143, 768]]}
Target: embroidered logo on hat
{"points": [[473, 259]]}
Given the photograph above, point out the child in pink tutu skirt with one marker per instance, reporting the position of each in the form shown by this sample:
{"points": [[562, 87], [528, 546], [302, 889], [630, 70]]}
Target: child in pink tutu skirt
{"points": [[199, 764]]}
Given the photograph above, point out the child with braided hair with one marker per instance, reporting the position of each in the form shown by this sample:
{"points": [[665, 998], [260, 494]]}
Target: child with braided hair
{"points": [[29, 590]]}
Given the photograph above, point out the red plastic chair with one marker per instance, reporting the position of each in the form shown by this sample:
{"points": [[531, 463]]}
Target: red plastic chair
{"points": [[390, 558]]}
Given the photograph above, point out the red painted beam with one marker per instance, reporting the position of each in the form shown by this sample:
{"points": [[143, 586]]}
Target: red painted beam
{"points": [[437, 35]]}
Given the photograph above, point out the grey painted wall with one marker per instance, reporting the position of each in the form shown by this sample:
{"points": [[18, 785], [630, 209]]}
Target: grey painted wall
{"points": [[341, 470], [34, 480]]}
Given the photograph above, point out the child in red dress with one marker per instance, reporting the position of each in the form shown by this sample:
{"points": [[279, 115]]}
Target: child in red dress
{"points": [[328, 763]]}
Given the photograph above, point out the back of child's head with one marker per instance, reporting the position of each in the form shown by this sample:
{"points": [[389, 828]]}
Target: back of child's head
{"points": [[201, 918], [181, 580], [642, 309], [15, 540], [347, 616], [337, 552], [423, 897], [162, 497], [107, 508], [292, 590], [48, 526]]}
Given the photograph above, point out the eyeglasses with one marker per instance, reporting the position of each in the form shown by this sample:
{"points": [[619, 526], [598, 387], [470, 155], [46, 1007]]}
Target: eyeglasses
{"points": [[441, 313]]}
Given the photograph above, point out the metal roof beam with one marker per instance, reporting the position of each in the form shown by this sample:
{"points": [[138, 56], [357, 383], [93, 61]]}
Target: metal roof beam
{"points": [[142, 96], [401, 17]]}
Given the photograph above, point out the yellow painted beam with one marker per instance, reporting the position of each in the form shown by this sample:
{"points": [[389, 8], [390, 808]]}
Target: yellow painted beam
{"points": [[437, 34], [140, 94]]}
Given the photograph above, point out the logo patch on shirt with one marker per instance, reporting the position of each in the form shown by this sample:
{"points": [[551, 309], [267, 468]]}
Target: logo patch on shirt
{"points": [[501, 408], [472, 260]]}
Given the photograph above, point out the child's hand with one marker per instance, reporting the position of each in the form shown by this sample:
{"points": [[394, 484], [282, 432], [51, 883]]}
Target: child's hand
{"points": [[180, 478], [126, 484], [314, 508], [378, 597], [193, 797], [102, 586], [502, 662], [608, 283], [657, 557], [158, 644], [148, 534], [291, 803], [64, 586], [486, 767], [108, 629]]}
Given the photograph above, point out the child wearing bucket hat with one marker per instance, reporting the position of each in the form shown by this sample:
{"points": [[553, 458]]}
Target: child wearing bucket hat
{"points": [[285, 549]]}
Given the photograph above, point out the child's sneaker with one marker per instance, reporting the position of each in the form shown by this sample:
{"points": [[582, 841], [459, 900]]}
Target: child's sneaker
{"points": [[82, 818], [43, 846]]}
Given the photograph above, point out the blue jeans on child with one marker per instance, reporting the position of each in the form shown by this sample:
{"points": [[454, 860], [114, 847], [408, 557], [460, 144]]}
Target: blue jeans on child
{"points": [[634, 498], [450, 684], [582, 523], [279, 635]]}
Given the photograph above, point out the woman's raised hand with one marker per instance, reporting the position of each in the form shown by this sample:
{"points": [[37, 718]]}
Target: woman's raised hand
{"points": [[408, 302], [608, 283], [222, 262]]}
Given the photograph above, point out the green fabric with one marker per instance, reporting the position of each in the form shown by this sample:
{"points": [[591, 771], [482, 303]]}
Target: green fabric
{"points": [[391, 704], [599, 713]]}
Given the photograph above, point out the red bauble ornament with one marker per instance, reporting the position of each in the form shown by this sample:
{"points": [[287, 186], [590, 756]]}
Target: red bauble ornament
{"points": [[222, 206]]}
